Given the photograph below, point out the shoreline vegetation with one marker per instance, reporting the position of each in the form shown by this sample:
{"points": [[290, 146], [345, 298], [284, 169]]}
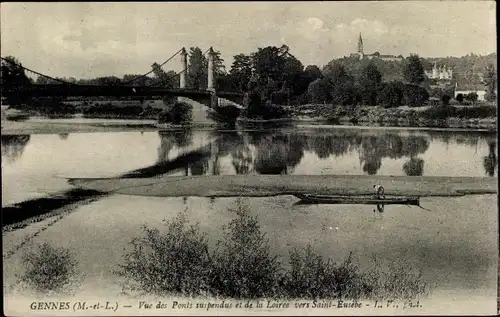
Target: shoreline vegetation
{"points": [[135, 117]]}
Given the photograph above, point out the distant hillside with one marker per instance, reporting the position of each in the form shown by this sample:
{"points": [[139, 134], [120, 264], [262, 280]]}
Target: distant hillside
{"points": [[463, 67], [466, 69]]}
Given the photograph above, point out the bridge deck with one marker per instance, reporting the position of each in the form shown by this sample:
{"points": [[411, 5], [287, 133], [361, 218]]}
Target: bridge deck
{"points": [[115, 91]]}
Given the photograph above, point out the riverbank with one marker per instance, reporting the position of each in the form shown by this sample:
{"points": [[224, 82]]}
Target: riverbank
{"points": [[17, 122], [463, 117]]}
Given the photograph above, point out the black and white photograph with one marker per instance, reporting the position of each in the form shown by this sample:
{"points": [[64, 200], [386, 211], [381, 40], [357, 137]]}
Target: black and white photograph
{"points": [[249, 158]]}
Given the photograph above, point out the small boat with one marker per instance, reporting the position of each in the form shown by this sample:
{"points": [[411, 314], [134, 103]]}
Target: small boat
{"points": [[358, 199]]}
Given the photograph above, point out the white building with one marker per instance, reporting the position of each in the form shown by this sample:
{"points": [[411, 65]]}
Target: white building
{"points": [[464, 89]]}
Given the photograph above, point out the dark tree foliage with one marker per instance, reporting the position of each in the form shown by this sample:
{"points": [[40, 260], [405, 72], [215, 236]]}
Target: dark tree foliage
{"points": [[491, 83], [446, 100], [391, 95], [414, 96], [414, 71], [369, 84], [12, 75]]}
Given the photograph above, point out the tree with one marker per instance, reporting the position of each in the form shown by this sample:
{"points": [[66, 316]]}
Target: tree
{"points": [[268, 62], [413, 71], [311, 73], [138, 80], [415, 96], [197, 73], [179, 113], [446, 100], [292, 78], [459, 98], [12, 75], [369, 82], [41, 80], [108, 81], [241, 71], [166, 79], [391, 95], [319, 91], [491, 83], [471, 97], [341, 82]]}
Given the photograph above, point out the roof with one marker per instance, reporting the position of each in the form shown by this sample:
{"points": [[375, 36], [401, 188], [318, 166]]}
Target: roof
{"points": [[393, 56]]}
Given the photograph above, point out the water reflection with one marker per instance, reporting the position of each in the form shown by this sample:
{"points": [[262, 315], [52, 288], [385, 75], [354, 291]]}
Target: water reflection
{"points": [[414, 166], [280, 152], [13, 146], [490, 161], [277, 153]]}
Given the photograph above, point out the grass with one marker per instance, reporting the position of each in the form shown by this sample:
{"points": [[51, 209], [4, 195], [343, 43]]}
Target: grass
{"points": [[241, 266], [50, 270]]}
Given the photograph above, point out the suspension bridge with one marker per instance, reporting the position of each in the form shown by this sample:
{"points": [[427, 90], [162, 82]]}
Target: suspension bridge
{"points": [[209, 97]]}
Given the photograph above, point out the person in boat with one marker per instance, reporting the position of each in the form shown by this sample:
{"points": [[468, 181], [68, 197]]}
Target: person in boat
{"points": [[380, 191]]}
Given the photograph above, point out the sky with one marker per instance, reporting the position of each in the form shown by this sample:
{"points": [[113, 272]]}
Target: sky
{"points": [[88, 40]]}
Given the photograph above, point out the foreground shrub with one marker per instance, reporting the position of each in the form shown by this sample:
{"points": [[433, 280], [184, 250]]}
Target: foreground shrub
{"points": [[176, 262], [312, 277], [398, 281], [241, 265], [49, 269]]}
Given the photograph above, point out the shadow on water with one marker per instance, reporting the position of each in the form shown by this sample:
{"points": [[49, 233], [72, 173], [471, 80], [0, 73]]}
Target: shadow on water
{"points": [[40, 206], [13, 146]]}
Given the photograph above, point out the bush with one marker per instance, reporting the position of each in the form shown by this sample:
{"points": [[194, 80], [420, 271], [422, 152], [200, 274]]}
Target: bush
{"points": [[49, 269], [178, 113], [179, 262], [477, 112], [398, 281], [313, 278], [446, 112], [243, 266], [439, 113]]}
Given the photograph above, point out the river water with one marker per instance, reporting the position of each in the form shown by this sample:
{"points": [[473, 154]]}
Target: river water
{"points": [[453, 241]]}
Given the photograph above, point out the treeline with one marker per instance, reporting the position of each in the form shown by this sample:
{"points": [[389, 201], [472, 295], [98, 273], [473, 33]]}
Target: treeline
{"points": [[272, 76]]}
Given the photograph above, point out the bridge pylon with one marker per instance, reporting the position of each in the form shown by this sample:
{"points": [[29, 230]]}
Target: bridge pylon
{"points": [[184, 67], [210, 82]]}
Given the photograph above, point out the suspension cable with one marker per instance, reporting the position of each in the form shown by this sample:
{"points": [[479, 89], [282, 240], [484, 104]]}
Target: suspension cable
{"points": [[184, 70], [37, 73], [151, 71]]}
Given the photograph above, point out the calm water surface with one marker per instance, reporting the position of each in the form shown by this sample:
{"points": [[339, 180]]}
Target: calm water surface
{"points": [[454, 242]]}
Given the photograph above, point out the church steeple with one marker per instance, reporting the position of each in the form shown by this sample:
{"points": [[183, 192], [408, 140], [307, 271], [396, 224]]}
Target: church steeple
{"points": [[360, 45]]}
